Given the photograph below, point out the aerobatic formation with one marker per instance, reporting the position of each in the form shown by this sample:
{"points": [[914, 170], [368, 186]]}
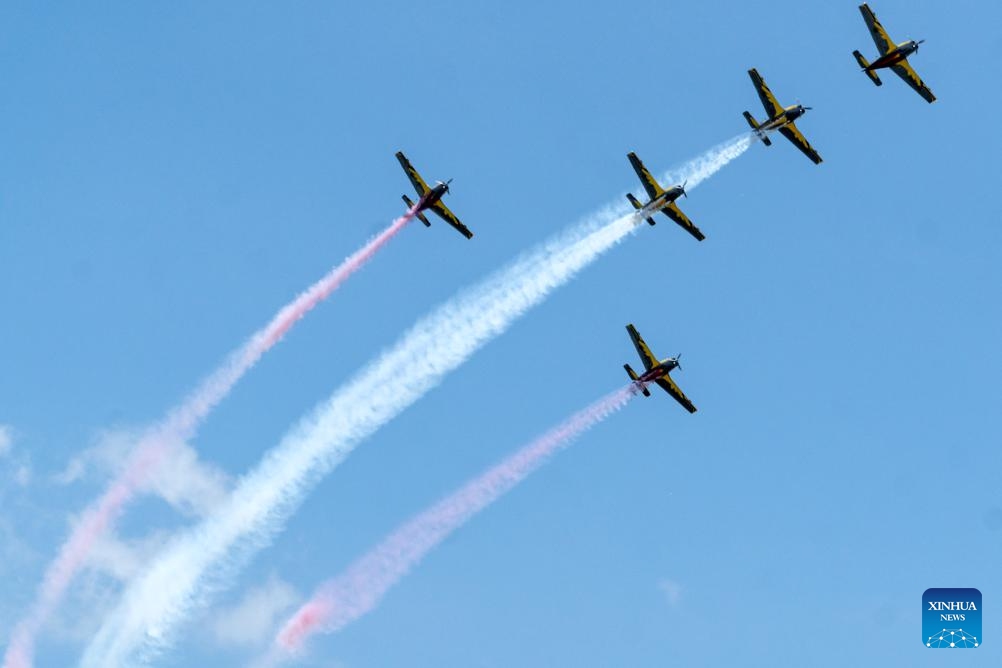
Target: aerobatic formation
{"points": [[441, 341]]}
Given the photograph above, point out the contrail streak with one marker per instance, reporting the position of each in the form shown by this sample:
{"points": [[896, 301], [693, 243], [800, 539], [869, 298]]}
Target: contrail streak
{"points": [[198, 560], [178, 426], [360, 588]]}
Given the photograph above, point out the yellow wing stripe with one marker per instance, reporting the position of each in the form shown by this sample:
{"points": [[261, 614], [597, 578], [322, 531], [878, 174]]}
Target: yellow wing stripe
{"points": [[877, 32], [769, 101], [675, 213], [448, 216], [650, 184], [911, 77], [419, 185], [646, 356], [791, 132], [669, 386]]}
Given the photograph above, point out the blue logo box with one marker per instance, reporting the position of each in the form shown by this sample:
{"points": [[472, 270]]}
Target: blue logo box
{"points": [[951, 618]]}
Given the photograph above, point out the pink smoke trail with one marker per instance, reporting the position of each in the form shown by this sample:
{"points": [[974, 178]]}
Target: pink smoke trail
{"points": [[362, 586], [177, 427]]}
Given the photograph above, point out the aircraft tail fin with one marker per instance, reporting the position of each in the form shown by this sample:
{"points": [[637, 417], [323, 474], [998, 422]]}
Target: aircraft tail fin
{"points": [[638, 206], [755, 126], [410, 205], [633, 377], [864, 64]]}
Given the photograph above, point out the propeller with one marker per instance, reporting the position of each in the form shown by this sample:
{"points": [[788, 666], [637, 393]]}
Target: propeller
{"points": [[446, 184], [917, 44], [683, 189], [678, 361]]}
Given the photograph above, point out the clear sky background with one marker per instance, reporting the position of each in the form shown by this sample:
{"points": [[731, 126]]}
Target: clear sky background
{"points": [[171, 175]]}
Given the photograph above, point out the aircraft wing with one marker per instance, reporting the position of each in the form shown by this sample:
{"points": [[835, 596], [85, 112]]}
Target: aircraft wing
{"points": [[448, 216], [877, 32], [905, 71], [651, 184], [676, 215], [769, 101], [419, 185], [669, 386], [646, 356], [791, 132]]}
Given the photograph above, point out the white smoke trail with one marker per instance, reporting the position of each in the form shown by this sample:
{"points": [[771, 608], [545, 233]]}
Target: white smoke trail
{"points": [[159, 444], [143, 623]]}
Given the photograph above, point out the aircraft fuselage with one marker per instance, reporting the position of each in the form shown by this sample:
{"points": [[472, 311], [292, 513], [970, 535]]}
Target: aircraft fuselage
{"points": [[663, 200], [656, 372], [904, 50], [432, 196], [789, 115]]}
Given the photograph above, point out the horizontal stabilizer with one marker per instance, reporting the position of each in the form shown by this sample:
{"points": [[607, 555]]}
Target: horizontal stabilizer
{"points": [[864, 64], [633, 377], [410, 205], [754, 126], [638, 206]]}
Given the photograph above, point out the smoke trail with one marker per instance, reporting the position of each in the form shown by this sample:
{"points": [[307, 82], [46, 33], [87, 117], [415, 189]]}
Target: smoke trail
{"points": [[177, 427], [178, 580], [361, 587]]}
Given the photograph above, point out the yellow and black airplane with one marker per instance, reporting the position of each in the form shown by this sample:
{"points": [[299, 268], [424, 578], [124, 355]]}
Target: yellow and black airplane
{"points": [[894, 56], [430, 198], [661, 200], [780, 119], [656, 371]]}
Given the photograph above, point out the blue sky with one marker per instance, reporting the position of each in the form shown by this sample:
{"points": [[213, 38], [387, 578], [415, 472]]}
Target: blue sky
{"points": [[171, 176]]}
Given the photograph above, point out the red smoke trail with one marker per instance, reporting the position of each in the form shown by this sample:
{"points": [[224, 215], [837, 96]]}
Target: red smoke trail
{"points": [[361, 587], [320, 290], [178, 427]]}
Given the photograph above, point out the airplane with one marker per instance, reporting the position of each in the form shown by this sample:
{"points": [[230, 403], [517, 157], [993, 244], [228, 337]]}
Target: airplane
{"points": [[894, 56], [430, 199], [655, 371], [661, 200], [780, 118]]}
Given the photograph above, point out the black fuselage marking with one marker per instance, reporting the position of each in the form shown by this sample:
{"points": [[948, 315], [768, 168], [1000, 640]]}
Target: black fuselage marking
{"points": [[656, 372], [432, 197]]}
